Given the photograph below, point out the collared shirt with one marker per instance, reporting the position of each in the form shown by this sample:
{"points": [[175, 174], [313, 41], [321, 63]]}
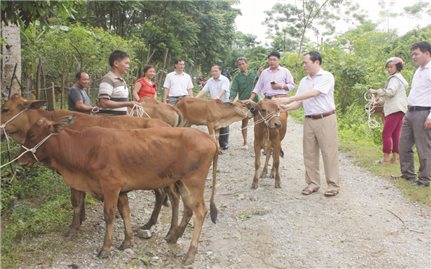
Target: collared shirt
{"points": [[420, 93], [216, 86], [178, 84], [114, 88], [324, 82], [243, 84], [281, 76], [76, 93]]}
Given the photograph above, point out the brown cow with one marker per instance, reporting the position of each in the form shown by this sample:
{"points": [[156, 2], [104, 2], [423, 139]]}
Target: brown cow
{"points": [[158, 110], [111, 162], [269, 130], [213, 113], [27, 113]]}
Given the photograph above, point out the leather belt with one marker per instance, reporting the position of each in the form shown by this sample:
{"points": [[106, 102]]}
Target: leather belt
{"points": [[320, 116], [276, 96], [417, 108]]}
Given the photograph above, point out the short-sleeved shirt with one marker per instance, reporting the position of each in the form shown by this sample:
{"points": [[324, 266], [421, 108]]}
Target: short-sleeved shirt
{"points": [[146, 89], [216, 86], [281, 76], [420, 93], [178, 84], [324, 82], [114, 88], [77, 93], [243, 84]]}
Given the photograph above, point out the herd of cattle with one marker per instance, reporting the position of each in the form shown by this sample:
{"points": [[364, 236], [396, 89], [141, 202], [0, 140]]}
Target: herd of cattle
{"points": [[108, 156]]}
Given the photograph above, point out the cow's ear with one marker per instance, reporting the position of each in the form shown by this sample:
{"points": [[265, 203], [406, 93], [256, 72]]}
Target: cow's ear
{"points": [[34, 104], [254, 105], [57, 127]]}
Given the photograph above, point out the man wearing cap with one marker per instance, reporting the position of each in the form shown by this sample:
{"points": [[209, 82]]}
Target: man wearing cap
{"points": [[394, 108], [416, 129], [316, 95]]}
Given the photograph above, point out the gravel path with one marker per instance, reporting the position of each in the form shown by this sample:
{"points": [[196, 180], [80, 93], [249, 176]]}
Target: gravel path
{"points": [[368, 225]]}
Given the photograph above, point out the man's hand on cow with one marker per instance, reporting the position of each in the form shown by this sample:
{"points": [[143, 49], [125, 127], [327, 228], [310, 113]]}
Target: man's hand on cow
{"points": [[372, 91], [246, 101], [427, 124], [284, 107], [283, 100], [165, 101]]}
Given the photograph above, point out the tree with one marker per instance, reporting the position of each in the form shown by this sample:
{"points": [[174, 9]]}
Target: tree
{"points": [[14, 13], [292, 21]]}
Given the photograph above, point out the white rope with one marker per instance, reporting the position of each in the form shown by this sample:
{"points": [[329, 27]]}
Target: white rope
{"points": [[369, 109], [32, 150], [139, 111]]}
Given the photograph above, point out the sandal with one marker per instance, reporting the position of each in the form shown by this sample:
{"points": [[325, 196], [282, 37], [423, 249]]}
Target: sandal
{"points": [[308, 191], [331, 193]]}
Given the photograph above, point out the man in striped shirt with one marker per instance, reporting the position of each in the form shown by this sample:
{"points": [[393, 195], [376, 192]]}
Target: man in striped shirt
{"points": [[113, 91]]}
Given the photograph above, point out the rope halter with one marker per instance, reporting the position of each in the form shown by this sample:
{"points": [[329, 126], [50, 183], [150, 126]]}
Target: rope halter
{"points": [[267, 118], [139, 110], [31, 150]]}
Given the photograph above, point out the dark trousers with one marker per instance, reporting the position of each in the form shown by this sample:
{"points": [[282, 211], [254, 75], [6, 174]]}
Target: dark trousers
{"points": [[223, 138], [413, 133]]}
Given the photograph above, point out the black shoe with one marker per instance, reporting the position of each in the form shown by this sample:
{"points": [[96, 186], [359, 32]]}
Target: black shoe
{"points": [[401, 176], [423, 182]]}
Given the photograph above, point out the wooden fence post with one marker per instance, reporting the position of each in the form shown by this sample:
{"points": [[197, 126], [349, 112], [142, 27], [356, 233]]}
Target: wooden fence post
{"points": [[51, 97]]}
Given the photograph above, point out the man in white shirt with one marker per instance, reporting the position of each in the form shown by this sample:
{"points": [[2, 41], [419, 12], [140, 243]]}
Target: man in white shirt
{"points": [[177, 84], [316, 95], [218, 87], [416, 127]]}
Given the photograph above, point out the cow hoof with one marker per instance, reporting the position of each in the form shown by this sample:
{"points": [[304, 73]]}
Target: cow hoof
{"points": [[170, 239], [190, 257], [278, 185], [126, 244], [103, 254], [70, 234], [254, 186]]}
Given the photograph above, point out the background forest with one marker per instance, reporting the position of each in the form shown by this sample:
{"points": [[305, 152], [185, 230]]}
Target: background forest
{"points": [[57, 39]]}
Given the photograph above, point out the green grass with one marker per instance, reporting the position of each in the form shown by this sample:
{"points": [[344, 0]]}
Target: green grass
{"points": [[35, 202], [365, 155]]}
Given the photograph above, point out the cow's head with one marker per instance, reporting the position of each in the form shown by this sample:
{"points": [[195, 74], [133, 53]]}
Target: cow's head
{"points": [[241, 109], [36, 139], [267, 112], [13, 119]]}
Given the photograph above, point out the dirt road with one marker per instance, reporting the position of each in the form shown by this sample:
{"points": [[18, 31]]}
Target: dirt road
{"points": [[368, 225]]}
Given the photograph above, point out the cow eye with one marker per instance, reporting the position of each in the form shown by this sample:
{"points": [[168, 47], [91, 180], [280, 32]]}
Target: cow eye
{"points": [[263, 110], [4, 109]]}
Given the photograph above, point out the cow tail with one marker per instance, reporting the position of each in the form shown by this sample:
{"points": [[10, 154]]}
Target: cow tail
{"points": [[213, 208]]}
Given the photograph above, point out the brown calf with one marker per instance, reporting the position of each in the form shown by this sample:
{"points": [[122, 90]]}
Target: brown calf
{"points": [[111, 162], [27, 113], [269, 130], [213, 113]]}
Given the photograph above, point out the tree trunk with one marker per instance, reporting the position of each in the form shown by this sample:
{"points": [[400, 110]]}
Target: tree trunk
{"points": [[11, 51]]}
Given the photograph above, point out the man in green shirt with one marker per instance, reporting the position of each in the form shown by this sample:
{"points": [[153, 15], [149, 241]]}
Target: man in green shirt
{"points": [[242, 85]]}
